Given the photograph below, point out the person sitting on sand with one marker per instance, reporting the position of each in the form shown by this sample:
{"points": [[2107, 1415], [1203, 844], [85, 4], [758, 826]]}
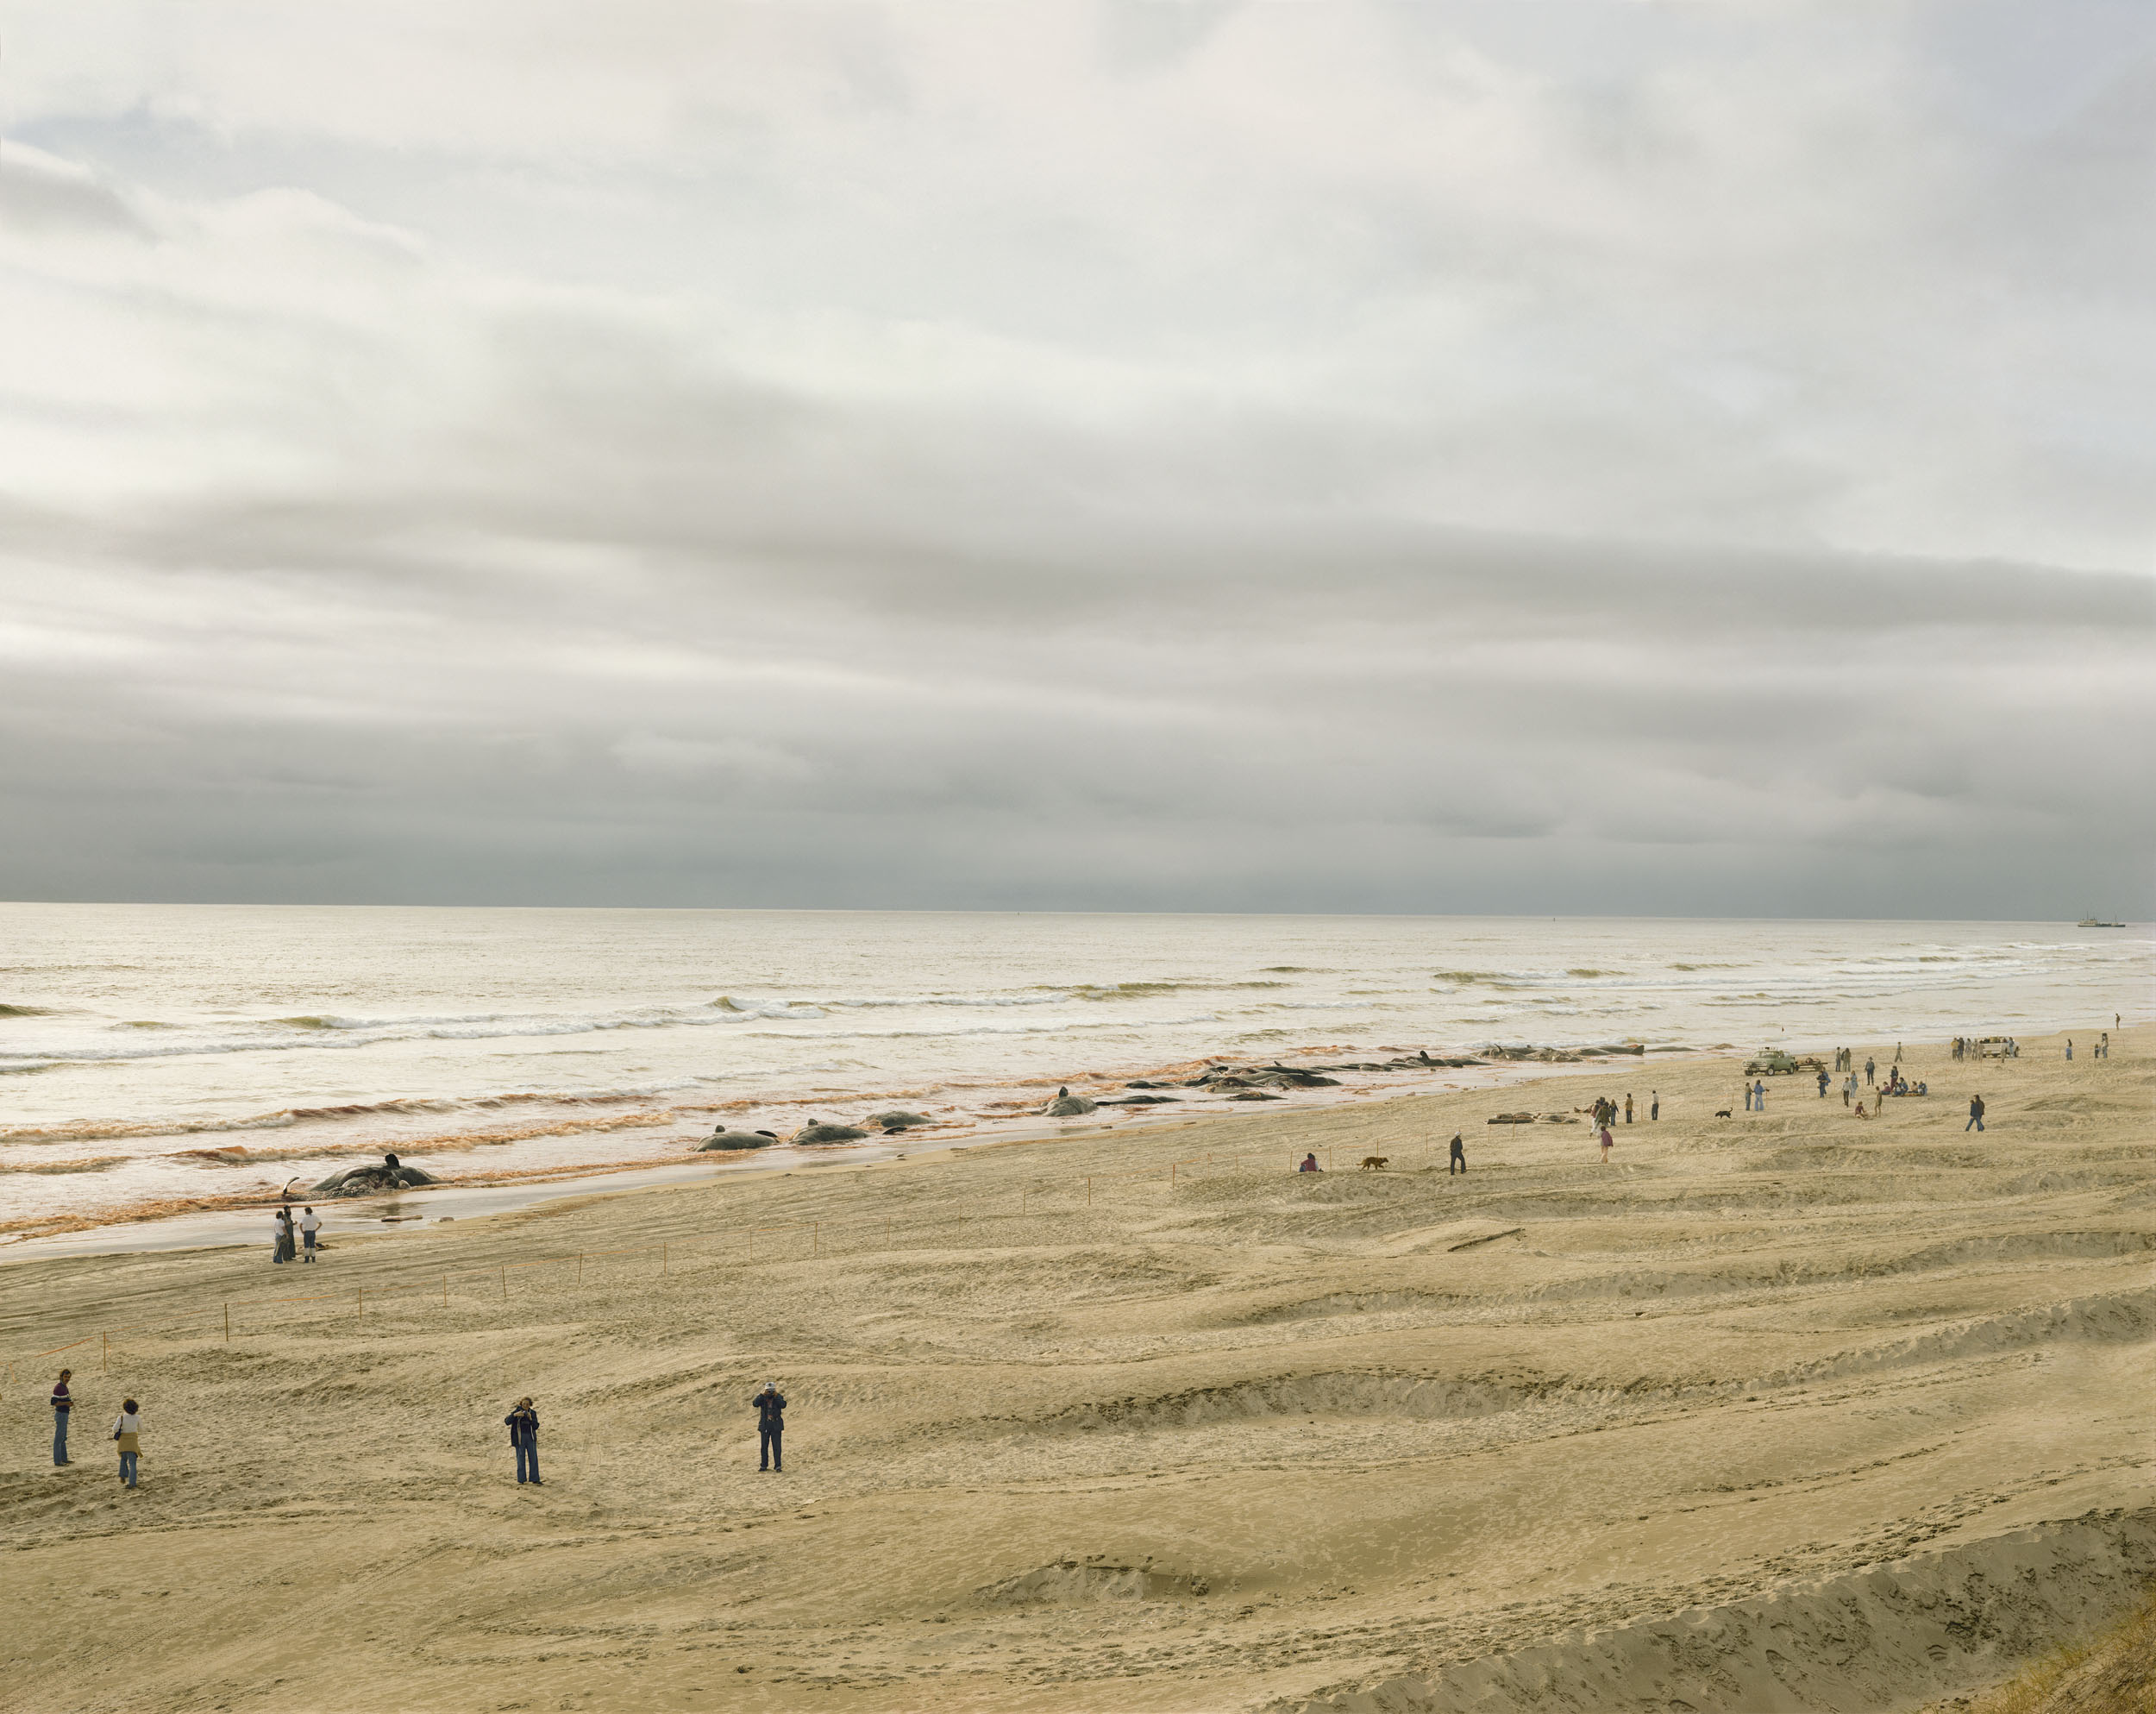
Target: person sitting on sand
{"points": [[1861, 1114], [1310, 1164]]}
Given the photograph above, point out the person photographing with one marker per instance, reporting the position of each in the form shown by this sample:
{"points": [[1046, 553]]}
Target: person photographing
{"points": [[770, 1427]]}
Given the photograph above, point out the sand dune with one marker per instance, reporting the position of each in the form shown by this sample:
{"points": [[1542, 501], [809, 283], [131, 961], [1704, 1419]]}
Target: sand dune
{"points": [[1781, 1411]]}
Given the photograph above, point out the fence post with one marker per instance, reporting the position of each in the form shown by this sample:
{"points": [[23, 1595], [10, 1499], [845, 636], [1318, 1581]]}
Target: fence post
{"points": [[663, 1256], [505, 1286], [815, 1237], [579, 1267], [362, 1303], [445, 1291], [104, 1353], [1088, 1189], [227, 1324]]}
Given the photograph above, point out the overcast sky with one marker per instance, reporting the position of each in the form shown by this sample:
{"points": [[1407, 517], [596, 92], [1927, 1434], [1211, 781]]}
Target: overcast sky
{"points": [[1165, 454]]}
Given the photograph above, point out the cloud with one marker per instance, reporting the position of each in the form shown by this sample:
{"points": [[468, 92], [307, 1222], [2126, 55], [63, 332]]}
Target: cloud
{"points": [[1165, 455]]}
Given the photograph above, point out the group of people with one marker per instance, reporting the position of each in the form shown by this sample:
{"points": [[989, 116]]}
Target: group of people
{"points": [[2101, 1051], [126, 1430], [289, 1234], [523, 1423]]}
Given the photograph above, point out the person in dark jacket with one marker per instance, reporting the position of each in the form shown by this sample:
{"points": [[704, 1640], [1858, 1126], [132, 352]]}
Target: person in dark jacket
{"points": [[1457, 1162], [63, 1406], [770, 1427], [523, 1434]]}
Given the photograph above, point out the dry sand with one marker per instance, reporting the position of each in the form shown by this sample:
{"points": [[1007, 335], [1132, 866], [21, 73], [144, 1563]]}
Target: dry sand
{"points": [[1779, 1411]]}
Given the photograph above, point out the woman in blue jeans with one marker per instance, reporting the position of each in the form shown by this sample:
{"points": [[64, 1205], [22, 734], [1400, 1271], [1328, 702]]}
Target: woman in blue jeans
{"points": [[127, 1430], [524, 1435]]}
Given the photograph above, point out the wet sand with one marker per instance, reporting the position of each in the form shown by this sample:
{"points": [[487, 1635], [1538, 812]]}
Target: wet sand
{"points": [[1782, 1409]]}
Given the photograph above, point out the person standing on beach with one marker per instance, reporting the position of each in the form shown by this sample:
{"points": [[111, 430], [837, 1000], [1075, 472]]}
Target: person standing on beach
{"points": [[1747, 1089], [309, 1225], [1759, 1089], [1458, 1161], [1869, 1068], [1822, 1085], [1654, 1105], [2069, 1047], [523, 1423], [63, 1402], [770, 1428], [126, 1430], [1627, 1106], [1976, 1115]]}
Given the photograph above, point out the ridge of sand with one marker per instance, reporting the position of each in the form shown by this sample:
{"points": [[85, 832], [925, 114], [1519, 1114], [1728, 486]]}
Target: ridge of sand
{"points": [[1930, 1624], [1252, 1439]]}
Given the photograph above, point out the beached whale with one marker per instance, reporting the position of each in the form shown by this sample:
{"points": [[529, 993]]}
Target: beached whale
{"points": [[372, 1180], [898, 1121], [814, 1131], [723, 1139], [1068, 1106]]}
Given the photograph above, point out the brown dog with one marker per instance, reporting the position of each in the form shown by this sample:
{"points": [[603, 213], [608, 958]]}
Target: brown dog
{"points": [[1374, 1163]]}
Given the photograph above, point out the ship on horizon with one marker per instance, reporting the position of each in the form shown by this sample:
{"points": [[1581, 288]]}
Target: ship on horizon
{"points": [[2098, 922]]}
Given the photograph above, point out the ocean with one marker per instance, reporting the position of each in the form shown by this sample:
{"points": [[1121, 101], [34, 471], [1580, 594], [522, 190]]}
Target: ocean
{"points": [[161, 1058]]}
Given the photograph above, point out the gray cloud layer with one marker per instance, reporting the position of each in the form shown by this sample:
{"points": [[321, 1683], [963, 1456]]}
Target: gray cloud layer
{"points": [[1164, 455]]}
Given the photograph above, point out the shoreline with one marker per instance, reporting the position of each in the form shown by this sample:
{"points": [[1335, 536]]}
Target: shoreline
{"points": [[233, 1221]]}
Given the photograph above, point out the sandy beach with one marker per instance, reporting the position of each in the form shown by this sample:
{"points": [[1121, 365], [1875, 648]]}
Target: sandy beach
{"points": [[1777, 1411]]}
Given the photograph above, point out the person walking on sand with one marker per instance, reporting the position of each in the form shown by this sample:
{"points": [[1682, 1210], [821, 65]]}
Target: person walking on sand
{"points": [[770, 1428], [1606, 1143], [1822, 1085], [1976, 1115], [309, 1225], [126, 1430], [523, 1424], [1458, 1161], [63, 1402]]}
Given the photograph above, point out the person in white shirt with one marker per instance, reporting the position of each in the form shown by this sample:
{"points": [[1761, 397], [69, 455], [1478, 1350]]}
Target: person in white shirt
{"points": [[308, 1227], [127, 1428]]}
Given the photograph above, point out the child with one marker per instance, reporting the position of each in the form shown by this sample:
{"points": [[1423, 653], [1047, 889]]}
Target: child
{"points": [[127, 1430]]}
